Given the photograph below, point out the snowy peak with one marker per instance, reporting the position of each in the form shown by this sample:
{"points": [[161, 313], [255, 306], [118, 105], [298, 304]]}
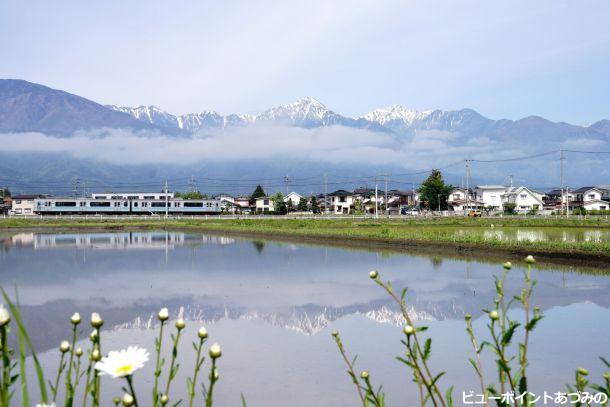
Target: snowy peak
{"points": [[309, 112], [305, 112], [394, 114]]}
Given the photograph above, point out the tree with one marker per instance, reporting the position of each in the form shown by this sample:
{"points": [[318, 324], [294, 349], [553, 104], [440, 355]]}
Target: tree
{"points": [[279, 206], [259, 192], [509, 208], [302, 205], [189, 195], [6, 193], [433, 192], [314, 205]]}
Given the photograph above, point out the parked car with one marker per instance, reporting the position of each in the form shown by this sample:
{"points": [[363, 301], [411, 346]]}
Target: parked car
{"points": [[410, 212], [474, 214]]}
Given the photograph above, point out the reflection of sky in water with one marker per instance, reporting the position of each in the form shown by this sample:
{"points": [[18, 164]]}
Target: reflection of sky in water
{"points": [[266, 302], [540, 235]]}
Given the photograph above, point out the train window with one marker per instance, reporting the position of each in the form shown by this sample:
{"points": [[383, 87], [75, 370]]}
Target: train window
{"points": [[124, 203], [149, 197], [68, 203], [94, 204], [158, 204], [193, 204], [135, 204]]}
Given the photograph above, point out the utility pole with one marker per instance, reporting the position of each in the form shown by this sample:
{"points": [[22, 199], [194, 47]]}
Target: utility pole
{"points": [[192, 184], [325, 193], [75, 186], [286, 181], [561, 160], [376, 201], [385, 212], [467, 185], [166, 200]]}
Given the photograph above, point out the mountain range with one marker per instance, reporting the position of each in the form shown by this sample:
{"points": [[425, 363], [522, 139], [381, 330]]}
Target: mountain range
{"points": [[27, 107]]}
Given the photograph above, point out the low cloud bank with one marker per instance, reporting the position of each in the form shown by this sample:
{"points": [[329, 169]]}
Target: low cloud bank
{"points": [[335, 145]]}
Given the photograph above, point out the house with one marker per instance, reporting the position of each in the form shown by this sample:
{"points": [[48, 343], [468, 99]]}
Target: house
{"points": [[460, 199], [490, 195], [525, 199], [225, 197], [292, 200], [264, 205], [24, 204], [244, 203], [5, 205], [341, 202], [593, 198]]}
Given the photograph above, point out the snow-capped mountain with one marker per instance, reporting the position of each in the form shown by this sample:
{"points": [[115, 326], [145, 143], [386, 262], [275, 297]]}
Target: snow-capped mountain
{"points": [[396, 116], [149, 114]]}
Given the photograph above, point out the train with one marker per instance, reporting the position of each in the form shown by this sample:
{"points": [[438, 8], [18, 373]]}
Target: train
{"points": [[128, 204]]}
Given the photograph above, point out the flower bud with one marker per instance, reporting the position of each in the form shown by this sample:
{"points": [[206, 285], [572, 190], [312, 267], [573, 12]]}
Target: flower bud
{"points": [[95, 355], [75, 318], [215, 351], [582, 371], [507, 265], [493, 315], [163, 315], [408, 330], [530, 259], [373, 274], [78, 352], [164, 399], [335, 333], [128, 400], [64, 346], [364, 374], [202, 333], [180, 324], [215, 374], [5, 317], [96, 320], [468, 317], [116, 400]]}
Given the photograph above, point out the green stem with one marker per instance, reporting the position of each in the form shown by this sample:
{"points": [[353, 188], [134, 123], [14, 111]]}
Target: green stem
{"points": [[59, 371], [418, 349], [208, 398], [69, 388], [171, 373], [502, 356], [6, 366], [350, 369], [198, 362], [87, 382], [133, 393], [155, 394]]}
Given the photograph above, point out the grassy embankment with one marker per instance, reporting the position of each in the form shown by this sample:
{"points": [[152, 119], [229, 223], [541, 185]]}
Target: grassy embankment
{"points": [[458, 234]]}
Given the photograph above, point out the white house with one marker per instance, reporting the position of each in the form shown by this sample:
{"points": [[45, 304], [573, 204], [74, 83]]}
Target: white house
{"points": [[490, 195], [525, 199], [461, 200], [596, 205], [264, 205], [292, 199], [341, 202], [24, 204]]}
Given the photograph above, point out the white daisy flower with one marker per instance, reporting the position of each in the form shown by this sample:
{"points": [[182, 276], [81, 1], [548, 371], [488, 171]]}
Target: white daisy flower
{"points": [[122, 363], [45, 405]]}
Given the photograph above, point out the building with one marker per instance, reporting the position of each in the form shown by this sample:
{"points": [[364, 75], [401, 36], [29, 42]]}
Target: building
{"points": [[264, 205], [592, 198], [460, 199], [341, 202], [24, 204], [490, 196], [292, 200], [525, 199]]}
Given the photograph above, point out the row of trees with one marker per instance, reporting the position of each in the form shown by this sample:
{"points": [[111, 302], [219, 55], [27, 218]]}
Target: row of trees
{"points": [[5, 193]]}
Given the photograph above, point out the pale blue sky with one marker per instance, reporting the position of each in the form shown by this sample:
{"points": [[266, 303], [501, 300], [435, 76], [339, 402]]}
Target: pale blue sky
{"points": [[506, 59]]}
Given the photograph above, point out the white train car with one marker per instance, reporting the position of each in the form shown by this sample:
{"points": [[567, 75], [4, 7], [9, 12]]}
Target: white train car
{"points": [[126, 205], [80, 206]]}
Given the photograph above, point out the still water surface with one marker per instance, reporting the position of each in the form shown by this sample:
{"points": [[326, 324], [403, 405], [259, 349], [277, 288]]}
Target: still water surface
{"points": [[272, 307]]}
